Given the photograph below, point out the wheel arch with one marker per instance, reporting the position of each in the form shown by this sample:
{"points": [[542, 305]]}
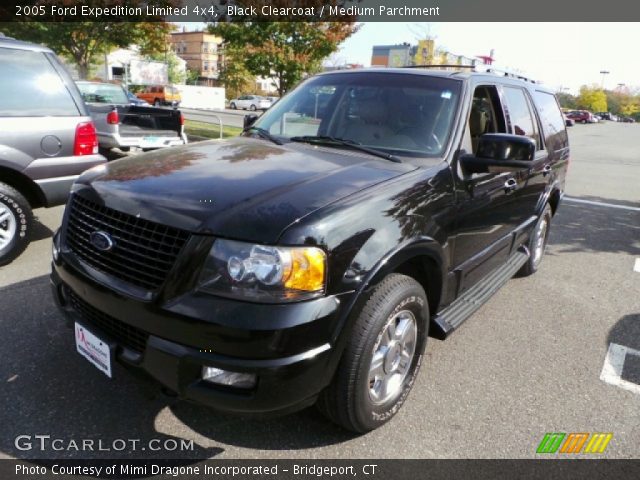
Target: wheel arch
{"points": [[27, 187]]}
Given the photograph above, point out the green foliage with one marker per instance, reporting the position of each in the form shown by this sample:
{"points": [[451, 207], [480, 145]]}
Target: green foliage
{"points": [[192, 76], [85, 42], [285, 50], [567, 100], [234, 75], [592, 98]]}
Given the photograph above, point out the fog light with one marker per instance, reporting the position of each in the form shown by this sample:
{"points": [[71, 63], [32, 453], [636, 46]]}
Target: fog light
{"points": [[55, 251], [232, 379]]}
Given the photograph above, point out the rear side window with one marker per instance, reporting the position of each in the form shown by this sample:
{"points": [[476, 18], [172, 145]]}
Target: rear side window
{"points": [[31, 87], [553, 125], [522, 118]]}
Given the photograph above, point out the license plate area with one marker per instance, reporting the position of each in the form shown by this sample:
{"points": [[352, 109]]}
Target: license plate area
{"points": [[96, 350]]}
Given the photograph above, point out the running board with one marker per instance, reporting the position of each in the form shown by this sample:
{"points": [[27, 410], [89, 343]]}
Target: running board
{"points": [[463, 307]]}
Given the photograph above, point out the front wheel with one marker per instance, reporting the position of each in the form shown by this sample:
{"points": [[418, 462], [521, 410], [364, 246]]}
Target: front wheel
{"points": [[232, 106], [15, 223], [382, 357], [538, 243], [252, 107]]}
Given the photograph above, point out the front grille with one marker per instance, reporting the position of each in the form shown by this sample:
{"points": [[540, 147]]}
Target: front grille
{"points": [[126, 335], [143, 251]]}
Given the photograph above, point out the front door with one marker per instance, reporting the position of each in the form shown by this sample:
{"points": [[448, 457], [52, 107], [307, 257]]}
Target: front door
{"points": [[488, 204]]}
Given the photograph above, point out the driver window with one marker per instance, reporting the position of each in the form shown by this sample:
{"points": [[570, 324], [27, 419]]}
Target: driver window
{"points": [[486, 115]]}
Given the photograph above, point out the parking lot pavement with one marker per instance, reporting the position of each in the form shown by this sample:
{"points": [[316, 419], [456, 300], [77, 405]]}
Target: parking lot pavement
{"points": [[527, 363]]}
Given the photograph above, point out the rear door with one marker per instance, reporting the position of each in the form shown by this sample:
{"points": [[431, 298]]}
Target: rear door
{"points": [[523, 120]]}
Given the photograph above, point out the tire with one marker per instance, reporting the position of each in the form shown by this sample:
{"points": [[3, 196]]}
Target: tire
{"points": [[252, 107], [16, 219], [537, 243], [356, 398], [233, 106]]}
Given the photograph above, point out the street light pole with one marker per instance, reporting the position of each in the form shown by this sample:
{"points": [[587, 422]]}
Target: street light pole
{"points": [[603, 73]]}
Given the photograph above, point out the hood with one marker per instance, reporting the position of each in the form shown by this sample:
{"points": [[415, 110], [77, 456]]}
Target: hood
{"points": [[243, 188]]}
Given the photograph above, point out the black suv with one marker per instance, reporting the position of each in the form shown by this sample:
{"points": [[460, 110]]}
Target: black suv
{"points": [[308, 260]]}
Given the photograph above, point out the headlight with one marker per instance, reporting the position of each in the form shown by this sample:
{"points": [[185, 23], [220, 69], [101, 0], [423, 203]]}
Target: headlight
{"points": [[264, 273]]}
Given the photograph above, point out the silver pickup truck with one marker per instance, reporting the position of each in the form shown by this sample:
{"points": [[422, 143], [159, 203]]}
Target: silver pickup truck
{"points": [[125, 126]]}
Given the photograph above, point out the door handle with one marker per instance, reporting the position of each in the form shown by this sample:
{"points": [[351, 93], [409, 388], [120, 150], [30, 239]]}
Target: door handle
{"points": [[546, 170], [510, 185]]}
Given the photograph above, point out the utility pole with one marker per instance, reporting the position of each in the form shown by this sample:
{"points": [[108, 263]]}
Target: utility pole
{"points": [[603, 73]]}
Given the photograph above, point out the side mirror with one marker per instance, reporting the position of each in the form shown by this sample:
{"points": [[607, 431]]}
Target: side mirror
{"points": [[249, 120], [500, 150]]}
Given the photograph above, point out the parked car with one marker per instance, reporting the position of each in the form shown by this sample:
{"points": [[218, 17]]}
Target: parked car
{"points": [[307, 260], [608, 116], [125, 126], [627, 120], [133, 100], [47, 139], [159, 95], [250, 102], [580, 116]]}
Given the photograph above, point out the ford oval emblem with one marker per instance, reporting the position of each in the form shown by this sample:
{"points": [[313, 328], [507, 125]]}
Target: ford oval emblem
{"points": [[102, 241]]}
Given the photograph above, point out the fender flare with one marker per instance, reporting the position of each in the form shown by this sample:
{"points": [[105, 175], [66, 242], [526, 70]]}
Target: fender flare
{"points": [[407, 250]]}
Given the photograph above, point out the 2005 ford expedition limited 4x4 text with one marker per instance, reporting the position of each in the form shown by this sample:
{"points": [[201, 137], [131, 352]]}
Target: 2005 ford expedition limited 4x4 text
{"points": [[308, 260]]}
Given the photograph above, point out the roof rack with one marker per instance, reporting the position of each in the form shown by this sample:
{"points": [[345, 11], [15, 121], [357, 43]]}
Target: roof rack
{"points": [[440, 66], [480, 68], [503, 72]]}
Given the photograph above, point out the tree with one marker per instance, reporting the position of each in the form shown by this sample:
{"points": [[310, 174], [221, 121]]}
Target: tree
{"points": [[192, 76], [284, 50], [234, 75], [84, 42], [592, 98], [567, 100]]}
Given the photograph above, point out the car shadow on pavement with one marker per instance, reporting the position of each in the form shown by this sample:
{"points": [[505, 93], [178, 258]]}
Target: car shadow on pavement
{"points": [[39, 231], [582, 227], [48, 389], [626, 332]]}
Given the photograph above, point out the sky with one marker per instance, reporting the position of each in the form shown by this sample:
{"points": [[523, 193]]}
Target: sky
{"points": [[561, 55]]}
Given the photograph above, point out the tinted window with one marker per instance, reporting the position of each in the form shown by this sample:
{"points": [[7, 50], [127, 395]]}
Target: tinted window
{"points": [[30, 86], [552, 122], [522, 119]]}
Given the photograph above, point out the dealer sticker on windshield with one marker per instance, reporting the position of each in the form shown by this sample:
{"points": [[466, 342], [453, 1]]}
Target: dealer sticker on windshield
{"points": [[93, 349]]}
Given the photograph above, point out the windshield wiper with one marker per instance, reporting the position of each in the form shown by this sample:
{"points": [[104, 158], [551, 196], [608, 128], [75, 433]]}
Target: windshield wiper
{"points": [[264, 134], [345, 143]]}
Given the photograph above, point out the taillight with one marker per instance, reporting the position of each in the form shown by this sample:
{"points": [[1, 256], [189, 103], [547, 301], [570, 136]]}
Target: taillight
{"points": [[112, 117], [181, 119], [86, 141]]}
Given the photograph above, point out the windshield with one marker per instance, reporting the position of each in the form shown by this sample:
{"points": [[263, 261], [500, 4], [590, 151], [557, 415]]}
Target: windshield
{"points": [[403, 114], [102, 93]]}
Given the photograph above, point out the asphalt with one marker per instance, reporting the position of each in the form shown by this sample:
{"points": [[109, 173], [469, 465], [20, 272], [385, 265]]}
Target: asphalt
{"points": [[527, 363]]}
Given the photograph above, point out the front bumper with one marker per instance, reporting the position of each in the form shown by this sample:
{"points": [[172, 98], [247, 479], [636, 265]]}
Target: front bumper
{"points": [[293, 361]]}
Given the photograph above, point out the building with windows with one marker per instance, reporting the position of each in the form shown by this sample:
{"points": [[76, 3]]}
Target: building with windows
{"points": [[203, 53], [424, 53]]}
